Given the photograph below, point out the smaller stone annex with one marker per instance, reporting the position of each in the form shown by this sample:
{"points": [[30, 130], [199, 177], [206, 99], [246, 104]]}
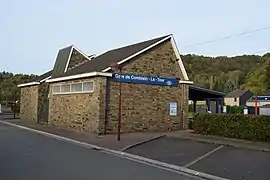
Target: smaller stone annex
{"points": [[82, 91]]}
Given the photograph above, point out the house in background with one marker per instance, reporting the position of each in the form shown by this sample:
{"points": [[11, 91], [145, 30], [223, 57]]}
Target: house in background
{"points": [[237, 98]]}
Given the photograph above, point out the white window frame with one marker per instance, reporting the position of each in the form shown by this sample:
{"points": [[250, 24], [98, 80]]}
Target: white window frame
{"points": [[88, 82], [75, 92], [53, 89], [65, 85]]}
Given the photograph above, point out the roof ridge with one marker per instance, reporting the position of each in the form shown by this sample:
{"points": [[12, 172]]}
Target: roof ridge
{"points": [[139, 42]]}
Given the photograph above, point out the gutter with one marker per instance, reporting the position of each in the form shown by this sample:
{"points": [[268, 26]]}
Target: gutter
{"points": [[78, 76], [28, 84]]}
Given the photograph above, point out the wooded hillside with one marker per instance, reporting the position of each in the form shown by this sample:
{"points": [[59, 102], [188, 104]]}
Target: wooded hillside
{"points": [[228, 73], [220, 73]]}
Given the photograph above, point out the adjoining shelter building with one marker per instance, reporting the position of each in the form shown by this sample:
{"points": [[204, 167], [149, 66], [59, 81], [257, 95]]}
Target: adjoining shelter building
{"points": [[214, 99], [82, 92]]}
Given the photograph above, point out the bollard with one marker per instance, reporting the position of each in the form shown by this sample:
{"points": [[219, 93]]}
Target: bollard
{"points": [[0, 108]]}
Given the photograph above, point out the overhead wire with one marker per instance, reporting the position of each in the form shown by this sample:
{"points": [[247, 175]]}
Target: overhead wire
{"points": [[228, 37]]}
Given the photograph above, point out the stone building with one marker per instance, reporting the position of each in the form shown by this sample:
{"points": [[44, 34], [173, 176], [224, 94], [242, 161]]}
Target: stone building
{"points": [[82, 92]]}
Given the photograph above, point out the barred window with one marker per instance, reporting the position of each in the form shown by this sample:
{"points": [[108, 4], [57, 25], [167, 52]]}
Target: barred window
{"points": [[76, 87], [88, 86], [81, 87], [56, 89], [65, 88]]}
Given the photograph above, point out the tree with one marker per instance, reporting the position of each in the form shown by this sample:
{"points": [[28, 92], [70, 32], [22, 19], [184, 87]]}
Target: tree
{"points": [[255, 81], [236, 69], [267, 75], [8, 85]]}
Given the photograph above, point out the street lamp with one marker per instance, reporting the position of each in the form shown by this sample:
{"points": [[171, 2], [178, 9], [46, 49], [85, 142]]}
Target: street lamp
{"points": [[116, 67]]}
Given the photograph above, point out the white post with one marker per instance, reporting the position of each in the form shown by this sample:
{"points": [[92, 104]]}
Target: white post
{"points": [[0, 109]]}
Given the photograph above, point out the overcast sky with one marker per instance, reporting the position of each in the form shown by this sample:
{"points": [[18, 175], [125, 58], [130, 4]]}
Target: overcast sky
{"points": [[33, 31]]}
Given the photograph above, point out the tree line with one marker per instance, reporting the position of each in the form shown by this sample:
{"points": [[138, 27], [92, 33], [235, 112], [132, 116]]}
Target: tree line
{"points": [[9, 92], [251, 72]]}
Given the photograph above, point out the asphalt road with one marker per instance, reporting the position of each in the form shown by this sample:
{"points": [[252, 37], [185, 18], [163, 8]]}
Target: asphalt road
{"points": [[31, 156], [222, 161]]}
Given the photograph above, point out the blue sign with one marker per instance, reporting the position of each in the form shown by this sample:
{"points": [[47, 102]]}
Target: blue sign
{"points": [[141, 79], [261, 98]]}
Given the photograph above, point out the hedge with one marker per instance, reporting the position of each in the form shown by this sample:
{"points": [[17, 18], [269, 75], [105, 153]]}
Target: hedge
{"points": [[249, 127]]}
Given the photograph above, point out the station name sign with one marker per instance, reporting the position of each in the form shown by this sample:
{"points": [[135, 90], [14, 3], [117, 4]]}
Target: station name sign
{"points": [[141, 79]]}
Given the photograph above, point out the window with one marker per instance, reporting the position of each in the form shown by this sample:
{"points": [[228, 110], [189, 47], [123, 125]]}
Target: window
{"points": [[56, 89], [76, 87], [65, 88], [88, 86], [235, 99], [73, 88]]}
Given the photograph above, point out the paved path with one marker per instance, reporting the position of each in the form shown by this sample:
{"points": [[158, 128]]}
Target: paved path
{"points": [[215, 159], [107, 141], [31, 156]]}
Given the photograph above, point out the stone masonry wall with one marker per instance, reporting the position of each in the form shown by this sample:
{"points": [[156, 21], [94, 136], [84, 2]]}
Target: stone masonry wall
{"points": [[76, 59], [43, 102], [80, 111], [184, 107], [29, 103], [146, 107]]}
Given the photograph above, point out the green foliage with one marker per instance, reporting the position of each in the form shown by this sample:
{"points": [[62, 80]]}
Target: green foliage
{"points": [[267, 76], [255, 81], [227, 73], [235, 110], [8, 85], [250, 127]]}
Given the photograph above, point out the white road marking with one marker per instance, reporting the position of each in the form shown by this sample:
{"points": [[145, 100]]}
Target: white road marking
{"points": [[204, 156], [132, 157]]}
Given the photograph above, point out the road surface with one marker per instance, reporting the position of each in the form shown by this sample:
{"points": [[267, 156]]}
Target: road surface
{"points": [[31, 156], [218, 160]]}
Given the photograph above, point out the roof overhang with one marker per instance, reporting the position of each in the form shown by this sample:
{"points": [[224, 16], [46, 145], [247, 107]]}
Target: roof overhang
{"points": [[208, 91], [78, 76], [28, 84], [185, 82], [201, 94]]}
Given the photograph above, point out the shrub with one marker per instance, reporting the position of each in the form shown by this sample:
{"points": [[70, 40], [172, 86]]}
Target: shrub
{"points": [[250, 127], [235, 109]]}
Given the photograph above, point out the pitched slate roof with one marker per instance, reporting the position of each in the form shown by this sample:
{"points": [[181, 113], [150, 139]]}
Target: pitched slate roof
{"points": [[100, 63], [236, 93], [61, 61], [44, 76], [103, 61]]}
